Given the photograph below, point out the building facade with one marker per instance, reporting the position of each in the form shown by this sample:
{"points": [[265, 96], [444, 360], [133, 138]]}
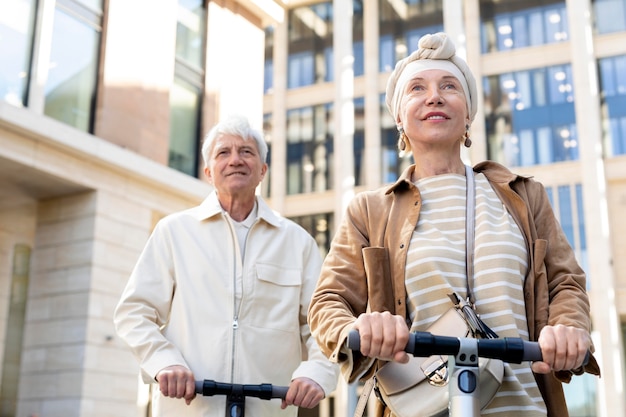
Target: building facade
{"points": [[103, 104]]}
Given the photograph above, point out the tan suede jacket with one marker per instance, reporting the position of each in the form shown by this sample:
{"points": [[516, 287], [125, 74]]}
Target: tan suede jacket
{"points": [[365, 268]]}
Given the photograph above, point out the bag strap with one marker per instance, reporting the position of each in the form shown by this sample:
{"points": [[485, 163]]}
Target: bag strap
{"points": [[470, 230], [476, 325], [365, 394]]}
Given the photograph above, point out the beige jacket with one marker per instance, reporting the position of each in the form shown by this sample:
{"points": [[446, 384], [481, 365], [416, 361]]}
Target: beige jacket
{"points": [[180, 307], [366, 264]]}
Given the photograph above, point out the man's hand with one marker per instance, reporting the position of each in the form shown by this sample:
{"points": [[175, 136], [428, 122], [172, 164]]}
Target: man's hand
{"points": [[303, 392], [562, 348], [177, 381]]}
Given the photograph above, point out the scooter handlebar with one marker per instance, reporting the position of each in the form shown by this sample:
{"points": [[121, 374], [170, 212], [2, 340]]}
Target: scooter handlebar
{"points": [[508, 349], [209, 387]]}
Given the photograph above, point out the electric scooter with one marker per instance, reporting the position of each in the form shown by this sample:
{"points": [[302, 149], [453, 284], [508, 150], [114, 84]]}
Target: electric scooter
{"points": [[464, 389]]}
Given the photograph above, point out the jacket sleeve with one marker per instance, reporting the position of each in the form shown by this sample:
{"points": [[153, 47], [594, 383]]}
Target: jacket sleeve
{"points": [[144, 307], [315, 365], [341, 294], [568, 302]]}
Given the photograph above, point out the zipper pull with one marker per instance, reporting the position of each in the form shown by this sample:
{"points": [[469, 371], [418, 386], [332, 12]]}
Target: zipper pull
{"points": [[235, 323]]}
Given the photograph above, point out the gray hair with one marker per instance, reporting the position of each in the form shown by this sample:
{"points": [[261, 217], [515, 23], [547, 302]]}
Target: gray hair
{"points": [[235, 125]]}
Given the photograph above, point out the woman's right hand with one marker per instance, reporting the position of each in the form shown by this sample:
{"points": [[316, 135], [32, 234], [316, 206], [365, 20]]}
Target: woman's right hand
{"points": [[383, 336]]}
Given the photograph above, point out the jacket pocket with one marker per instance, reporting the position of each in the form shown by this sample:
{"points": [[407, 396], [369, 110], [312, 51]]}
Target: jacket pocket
{"points": [[276, 297], [378, 275]]}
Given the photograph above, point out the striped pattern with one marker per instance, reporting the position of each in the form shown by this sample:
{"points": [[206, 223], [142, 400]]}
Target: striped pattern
{"points": [[436, 266]]}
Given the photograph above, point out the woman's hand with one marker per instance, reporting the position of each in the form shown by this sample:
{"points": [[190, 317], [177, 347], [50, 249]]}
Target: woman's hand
{"points": [[562, 348], [383, 336]]}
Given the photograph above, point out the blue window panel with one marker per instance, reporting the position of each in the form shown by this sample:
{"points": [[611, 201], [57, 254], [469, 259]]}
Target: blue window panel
{"points": [[520, 32], [528, 155], [556, 25], [359, 59], [610, 15], [300, 70], [545, 148], [329, 62], [565, 213], [537, 34], [504, 33], [584, 255], [268, 76], [387, 53], [620, 74]]}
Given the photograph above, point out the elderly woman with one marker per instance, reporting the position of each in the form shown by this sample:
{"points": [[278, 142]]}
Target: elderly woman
{"points": [[402, 249]]}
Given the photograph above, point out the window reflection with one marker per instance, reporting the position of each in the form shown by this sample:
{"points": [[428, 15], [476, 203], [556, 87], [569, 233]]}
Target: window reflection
{"points": [[268, 73], [309, 149], [610, 16], [94, 5], [320, 226], [359, 140], [71, 85], [612, 72], [190, 31], [184, 127], [392, 164], [530, 116], [186, 92], [17, 19], [310, 45], [402, 24], [520, 23]]}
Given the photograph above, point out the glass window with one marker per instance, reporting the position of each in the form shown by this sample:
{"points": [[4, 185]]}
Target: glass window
{"points": [[320, 226], [612, 73], [70, 89], [519, 24], [392, 164], [402, 24], [14, 302], [571, 215], [310, 44], [190, 32], [186, 92], [357, 39], [184, 127], [582, 247], [95, 5], [268, 72], [301, 70], [359, 140], [309, 149], [610, 16], [17, 19], [531, 117]]}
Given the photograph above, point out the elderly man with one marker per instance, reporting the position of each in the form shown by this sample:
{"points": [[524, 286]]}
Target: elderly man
{"points": [[221, 292]]}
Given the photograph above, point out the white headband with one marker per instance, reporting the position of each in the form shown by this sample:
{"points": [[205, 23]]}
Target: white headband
{"points": [[417, 66]]}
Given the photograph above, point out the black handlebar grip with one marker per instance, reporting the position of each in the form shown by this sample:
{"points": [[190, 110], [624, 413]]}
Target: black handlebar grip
{"points": [[532, 352], [354, 340], [279, 391]]}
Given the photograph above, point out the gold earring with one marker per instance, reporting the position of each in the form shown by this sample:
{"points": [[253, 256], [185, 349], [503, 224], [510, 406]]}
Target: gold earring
{"points": [[468, 141], [401, 140]]}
